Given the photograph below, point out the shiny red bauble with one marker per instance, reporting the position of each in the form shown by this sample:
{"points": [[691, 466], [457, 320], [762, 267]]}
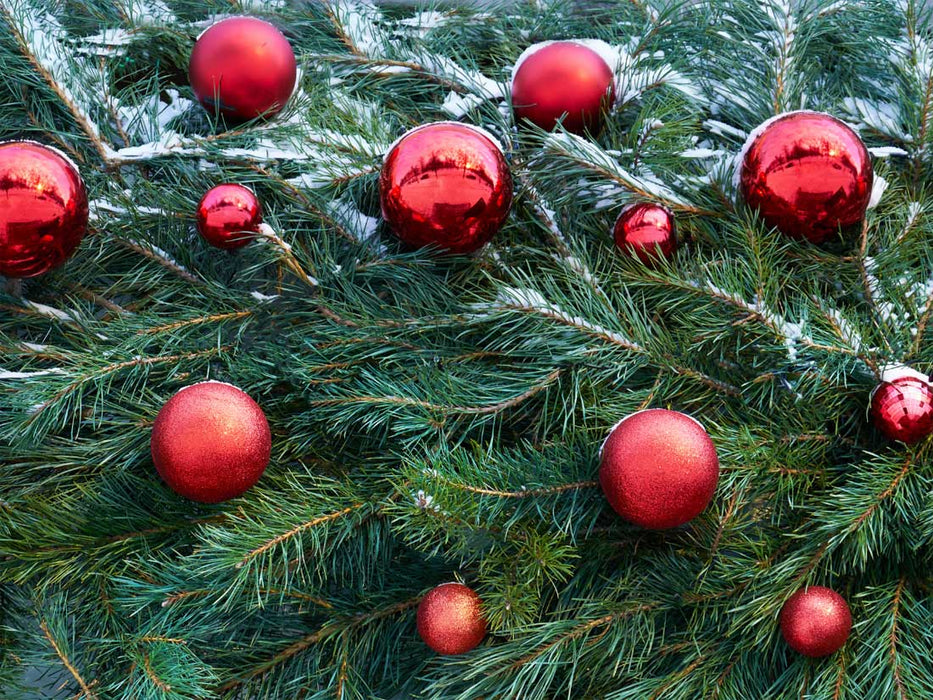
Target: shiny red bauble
{"points": [[210, 442], [816, 621], [450, 619], [808, 174], [227, 214], [562, 79], [43, 208], [902, 409], [646, 231], [658, 468], [242, 67], [445, 184]]}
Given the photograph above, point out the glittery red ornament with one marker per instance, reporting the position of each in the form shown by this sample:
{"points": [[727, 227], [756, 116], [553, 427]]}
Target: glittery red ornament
{"points": [[43, 208], [210, 442], [450, 619], [808, 174], [445, 184], [816, 621], [902, 409], [658, 468], [646, 231], [226, 213], [243, 67], [559, 78]]}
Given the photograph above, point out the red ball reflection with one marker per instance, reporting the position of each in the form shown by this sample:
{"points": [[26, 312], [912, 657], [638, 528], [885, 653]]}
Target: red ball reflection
{"points": [[646, 231], [902, 409], [226, 214]]}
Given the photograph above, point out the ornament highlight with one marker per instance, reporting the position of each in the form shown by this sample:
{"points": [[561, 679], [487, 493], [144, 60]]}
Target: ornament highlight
{"points": [[450, 619], [210, 442], [566, 79], [816, 621], [445, 184], [646, 231], [902, 409], [227, 212], [243, 67], [658, 468], [807, 173], [43, 208]]}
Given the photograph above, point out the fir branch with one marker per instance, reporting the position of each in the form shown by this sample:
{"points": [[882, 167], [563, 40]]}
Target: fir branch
{"points": [[525, 493], [66, 662], [893, 641]]}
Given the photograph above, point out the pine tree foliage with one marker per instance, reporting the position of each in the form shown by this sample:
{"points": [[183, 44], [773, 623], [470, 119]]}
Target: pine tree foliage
{"points": [[439, 418]]}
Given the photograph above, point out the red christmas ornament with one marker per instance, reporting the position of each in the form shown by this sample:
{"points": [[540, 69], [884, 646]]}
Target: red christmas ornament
{"points": [[450, 619], [559, 78], [243, 67], [815, 621], [646, 231], [808, 174], [43, 208], [210, 442], [445, 184], [225, 213], [658, 468], [902, 409]]}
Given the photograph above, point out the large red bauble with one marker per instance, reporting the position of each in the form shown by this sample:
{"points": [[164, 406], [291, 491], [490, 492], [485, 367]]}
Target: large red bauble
{"points": [[450, 619], [562, 79], [808, 174], [445, 184], [43, 208], [658, 468], [226, 213], [815, 621], [210, 442], [902, 409], [646, 231], [243, 67]]}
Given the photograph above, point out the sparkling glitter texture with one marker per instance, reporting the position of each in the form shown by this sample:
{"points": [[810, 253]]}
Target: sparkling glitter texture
{"points": [[227, 214], [450, 619], [659, 469], [210, 442], [646, 231], [815, 621], [902, 409]]}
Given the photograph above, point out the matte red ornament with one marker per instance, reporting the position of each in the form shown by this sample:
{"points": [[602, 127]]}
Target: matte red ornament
{"points": [[210, 442], [816, 621], [808, 174], [243, 67], [450, 619], [43, 208], [562, 79], [902, 409], [658, 468], [226, 213], [646, 231], [445, 184]]}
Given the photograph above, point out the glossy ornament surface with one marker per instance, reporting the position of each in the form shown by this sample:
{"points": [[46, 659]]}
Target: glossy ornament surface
{"points": [[242, 67], [902, 409], [210, 442], [560, 78], [445, 184], [646, 231], [658, 468], [808, 174], [450, 619], [816, 621], [43, 208], [227, 214]]}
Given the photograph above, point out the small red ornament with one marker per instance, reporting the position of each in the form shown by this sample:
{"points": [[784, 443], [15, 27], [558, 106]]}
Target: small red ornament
{"points": [[43, 208], [562, 79], [646, 231], [226, 213], [450, 619], [445, 184], [658, 468], [902, 409], [210, 442], [243, 67], [815, 621], [808, 174]]}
